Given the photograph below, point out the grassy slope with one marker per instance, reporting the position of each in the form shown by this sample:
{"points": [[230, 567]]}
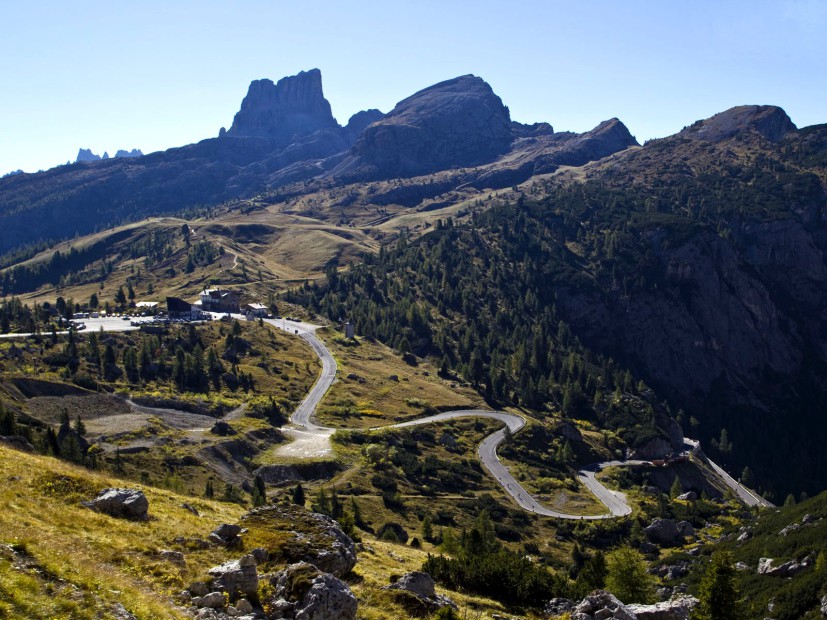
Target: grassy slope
{"points": [[61, 560], [373, 398], [87, 562]]}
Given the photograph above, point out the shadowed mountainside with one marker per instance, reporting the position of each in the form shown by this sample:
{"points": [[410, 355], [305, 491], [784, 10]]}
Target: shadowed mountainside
{"points": [[286, 133]]}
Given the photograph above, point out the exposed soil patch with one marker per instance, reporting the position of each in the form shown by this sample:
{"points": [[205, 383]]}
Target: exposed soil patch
{"points": [[89, 406]]}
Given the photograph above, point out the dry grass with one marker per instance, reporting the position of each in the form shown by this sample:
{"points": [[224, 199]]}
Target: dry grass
{"points": [[367, 395], [81, 563]]}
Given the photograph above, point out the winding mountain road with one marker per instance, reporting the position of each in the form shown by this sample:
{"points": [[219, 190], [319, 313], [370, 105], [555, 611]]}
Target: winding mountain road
{"points": [[312, 440]]}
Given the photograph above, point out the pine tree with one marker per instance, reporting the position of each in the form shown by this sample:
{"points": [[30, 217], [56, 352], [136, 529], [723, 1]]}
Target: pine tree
{"points": [[322, 503], [209, 489], [718, 593], [626, 576], [676, 488], [358, 520], [80, 427], [427, 529], [7, 424], [259, 492], [298, 495]]}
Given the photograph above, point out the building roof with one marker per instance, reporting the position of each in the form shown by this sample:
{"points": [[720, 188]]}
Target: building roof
{"points": [[257, 306]]}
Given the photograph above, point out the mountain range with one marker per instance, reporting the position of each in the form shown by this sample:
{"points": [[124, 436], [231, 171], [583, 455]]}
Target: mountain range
{"points": [[696, 260], [285, 133]]}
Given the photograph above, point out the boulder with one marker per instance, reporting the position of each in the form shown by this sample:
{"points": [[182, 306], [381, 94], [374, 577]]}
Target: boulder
{"points": [[260, 554], [689, 496], [672, 572], [685, 528], [213, 600], [678, 608], [600, 605], [664, 532], [824, 605], [236, 577], [558, 607], [766, 566], [198, 588], [318, 539], [420, 588], [126, 503], [303, 592], [244, 606], [16, 442], [226, 534]]}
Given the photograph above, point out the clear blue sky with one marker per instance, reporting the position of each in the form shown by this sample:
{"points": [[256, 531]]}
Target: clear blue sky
{"points": [[152, 75]]}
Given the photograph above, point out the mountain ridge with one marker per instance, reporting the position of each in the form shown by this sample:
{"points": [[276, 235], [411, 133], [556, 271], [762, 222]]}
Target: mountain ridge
{"points": [[284, 133]]}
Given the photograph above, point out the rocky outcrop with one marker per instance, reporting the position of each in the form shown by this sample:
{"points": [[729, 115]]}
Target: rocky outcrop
{"points": [[302, 592], [16, 442], [419, 590], [767, 121], [459, 122], [298, 472], [672, 572], [226, 535], [361, 121], [607, 138], [132, 153], [689, 496], [126, 503], [87, 155], [535, 130], [317, 539], [677, 608], [664, 532], [236, 578], [294, 106], [602, 605], [766, 566]]}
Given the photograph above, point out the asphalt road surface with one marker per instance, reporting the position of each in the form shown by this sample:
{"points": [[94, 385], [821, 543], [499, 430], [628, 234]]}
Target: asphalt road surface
{"points": [[311, 440]]}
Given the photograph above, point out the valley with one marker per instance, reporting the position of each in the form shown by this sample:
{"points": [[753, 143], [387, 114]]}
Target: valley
{"points": [[524, 361]]}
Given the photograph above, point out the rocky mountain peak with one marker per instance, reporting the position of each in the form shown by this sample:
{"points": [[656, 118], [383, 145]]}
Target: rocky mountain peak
{"points": [[88, 155], [361, 120], [770, 122], [294, 106], [458, 122]]}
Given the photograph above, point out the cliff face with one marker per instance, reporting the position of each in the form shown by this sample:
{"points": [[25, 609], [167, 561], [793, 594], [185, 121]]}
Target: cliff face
{"points": [[293, 107], [459, 122]]}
